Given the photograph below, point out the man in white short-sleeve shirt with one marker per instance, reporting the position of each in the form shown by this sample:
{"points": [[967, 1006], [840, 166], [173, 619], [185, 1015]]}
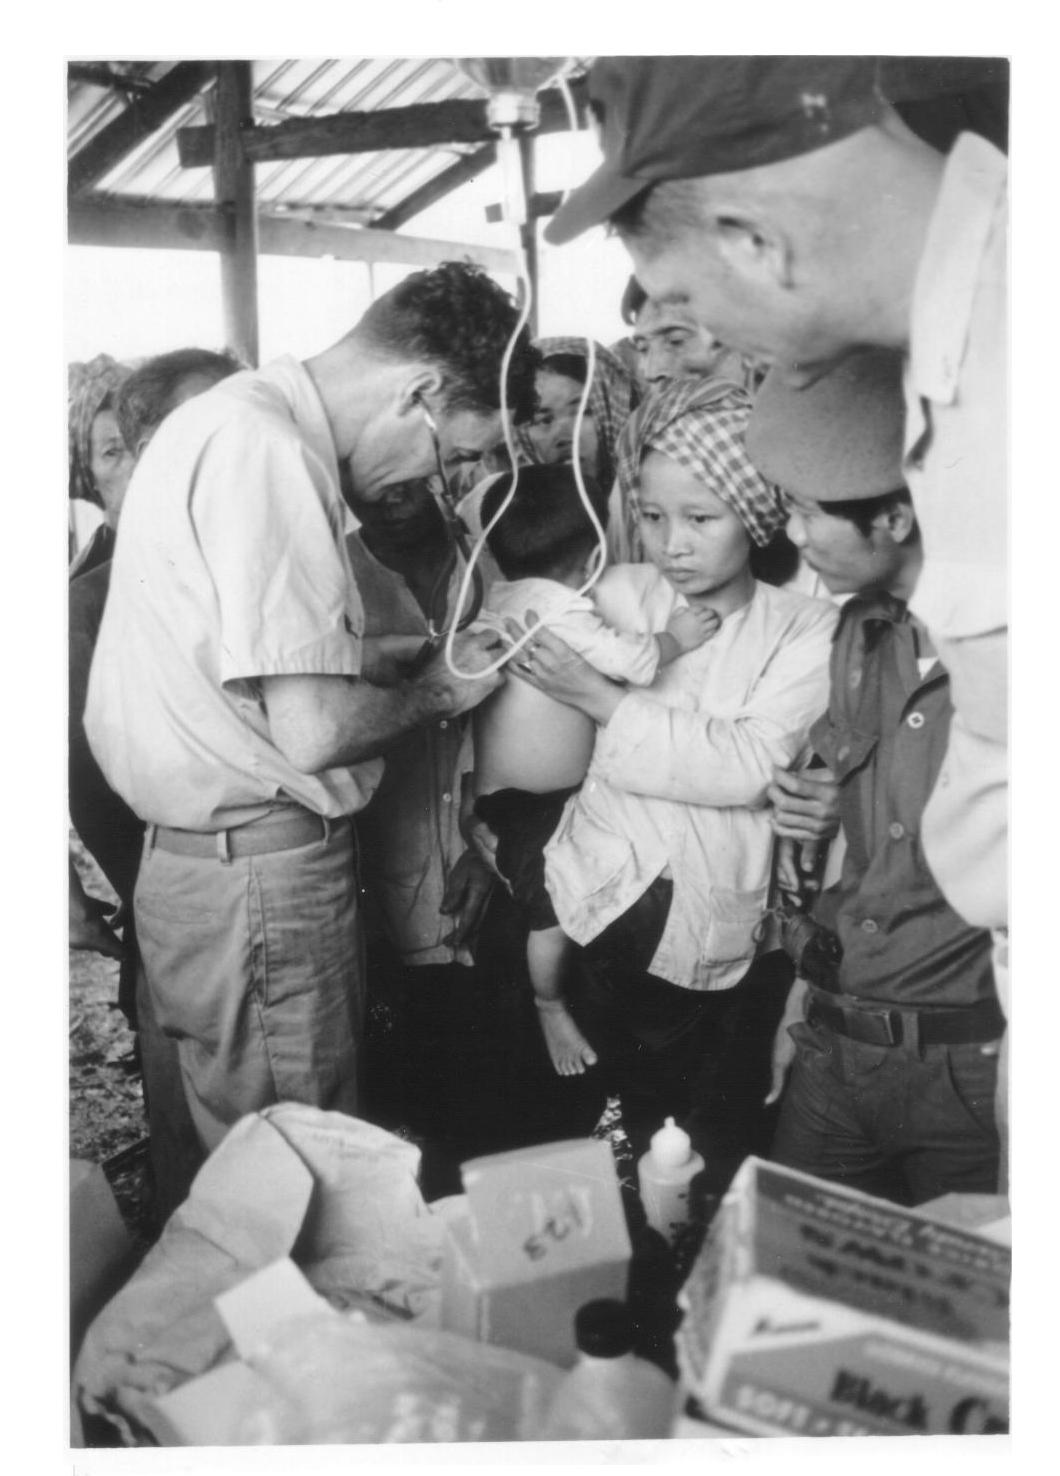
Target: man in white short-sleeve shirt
{"points": [[234, 702]]}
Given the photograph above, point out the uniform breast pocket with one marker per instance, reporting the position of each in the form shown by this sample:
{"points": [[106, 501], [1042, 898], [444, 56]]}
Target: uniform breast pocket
{"points": [[843, 748], [732, 920]]}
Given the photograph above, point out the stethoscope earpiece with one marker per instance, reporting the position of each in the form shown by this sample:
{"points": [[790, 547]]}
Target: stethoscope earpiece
{"points": [[428, 417]]}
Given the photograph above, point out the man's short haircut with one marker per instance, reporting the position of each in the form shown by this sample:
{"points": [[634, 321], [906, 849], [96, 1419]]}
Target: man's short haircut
{"points": [[545, 529], [149, 394], [633, 300], [862, 511], [459, 320]]}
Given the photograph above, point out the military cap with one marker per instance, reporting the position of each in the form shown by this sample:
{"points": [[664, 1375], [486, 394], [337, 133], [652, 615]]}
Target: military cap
{"points": [[838, 440], [679, 117]]}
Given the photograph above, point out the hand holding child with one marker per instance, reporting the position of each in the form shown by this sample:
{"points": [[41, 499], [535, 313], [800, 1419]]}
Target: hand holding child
{"points": [[467, 892], [550, 665], [692, 626]]}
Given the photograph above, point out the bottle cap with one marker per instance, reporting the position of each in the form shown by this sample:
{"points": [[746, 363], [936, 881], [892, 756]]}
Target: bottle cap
{"points": [[671, 1146], [604, 1328]]}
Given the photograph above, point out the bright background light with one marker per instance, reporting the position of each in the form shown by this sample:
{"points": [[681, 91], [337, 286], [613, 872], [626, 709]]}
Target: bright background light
{"points": [[131, 303]]}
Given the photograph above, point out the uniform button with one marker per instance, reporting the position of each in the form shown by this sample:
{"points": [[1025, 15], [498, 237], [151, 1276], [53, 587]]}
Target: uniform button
{"points": [[855, 678], [897, 829], [447, 797], [915, 719], [870, 926], [444, 723]]}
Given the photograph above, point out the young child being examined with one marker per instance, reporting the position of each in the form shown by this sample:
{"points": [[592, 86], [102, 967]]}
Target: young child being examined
{"points": [[531, 752]]}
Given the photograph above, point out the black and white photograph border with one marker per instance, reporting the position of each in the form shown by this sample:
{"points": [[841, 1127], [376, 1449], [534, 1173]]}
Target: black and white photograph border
{"points": [[43, 1218]]}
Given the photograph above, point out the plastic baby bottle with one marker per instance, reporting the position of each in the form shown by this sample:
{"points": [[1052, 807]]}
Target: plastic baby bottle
{"points": [[665, 1175]]}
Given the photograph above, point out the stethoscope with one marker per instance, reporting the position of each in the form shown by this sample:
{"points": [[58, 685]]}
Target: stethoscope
{"points": [[459, 548]]}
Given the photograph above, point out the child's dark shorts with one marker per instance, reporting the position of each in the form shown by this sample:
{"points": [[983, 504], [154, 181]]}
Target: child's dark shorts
{"points": [[524, 823]]}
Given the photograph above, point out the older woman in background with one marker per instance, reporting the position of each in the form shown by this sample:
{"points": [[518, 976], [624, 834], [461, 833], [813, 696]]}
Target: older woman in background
{"points": [[100, 462]]}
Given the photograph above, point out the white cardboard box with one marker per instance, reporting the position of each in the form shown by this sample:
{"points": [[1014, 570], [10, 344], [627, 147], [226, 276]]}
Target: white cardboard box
{"points": [[815, 1310], [543, 1233]]}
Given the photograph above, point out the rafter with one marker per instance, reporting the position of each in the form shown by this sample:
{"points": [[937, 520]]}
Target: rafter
{"points": [[202, 228], [542, 203], [103, 74], [464, 170], [138, 121], [420, 126]]}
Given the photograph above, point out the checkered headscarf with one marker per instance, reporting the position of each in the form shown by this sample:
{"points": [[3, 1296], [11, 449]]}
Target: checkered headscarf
{"points": [[700, 423], [612, 395], [91, 385]]}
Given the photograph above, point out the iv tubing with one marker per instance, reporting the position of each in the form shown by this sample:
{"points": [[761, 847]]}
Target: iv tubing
{"points": [[601, 549]]}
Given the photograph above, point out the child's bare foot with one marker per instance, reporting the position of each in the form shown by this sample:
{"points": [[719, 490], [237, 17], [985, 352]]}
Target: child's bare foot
{"points": [[571, 1053]]}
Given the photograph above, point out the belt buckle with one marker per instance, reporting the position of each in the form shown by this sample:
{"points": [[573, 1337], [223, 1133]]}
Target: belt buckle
{"points": [[893, 1022]]}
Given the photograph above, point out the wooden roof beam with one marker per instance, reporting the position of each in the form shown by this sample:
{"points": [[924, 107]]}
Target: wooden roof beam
{"points": [[541, 203], [139, 120], [420, 126], [174, 227], [102, 74], [463, 171]]}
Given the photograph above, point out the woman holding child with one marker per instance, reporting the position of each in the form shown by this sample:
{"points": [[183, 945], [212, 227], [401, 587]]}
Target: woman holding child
{"points": [[660, 867]]}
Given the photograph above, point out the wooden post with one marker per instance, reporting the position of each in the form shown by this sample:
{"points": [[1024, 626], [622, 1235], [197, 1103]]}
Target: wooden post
{"points": [[528, 232], [234, 190]]}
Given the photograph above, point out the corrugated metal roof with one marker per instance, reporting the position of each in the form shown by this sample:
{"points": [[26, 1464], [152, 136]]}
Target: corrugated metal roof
{"points": [[372, 183]]}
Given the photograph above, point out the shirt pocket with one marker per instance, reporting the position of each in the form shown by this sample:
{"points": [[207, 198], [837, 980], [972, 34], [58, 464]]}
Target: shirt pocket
{"points": [[732, 919], [588, 869], [844, 749]]}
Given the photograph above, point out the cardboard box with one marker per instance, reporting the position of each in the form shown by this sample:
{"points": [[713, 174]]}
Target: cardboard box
{"points": [[337, 1194], [815, 1310], [986, 1214], [542, 1233], [691, 1423]]}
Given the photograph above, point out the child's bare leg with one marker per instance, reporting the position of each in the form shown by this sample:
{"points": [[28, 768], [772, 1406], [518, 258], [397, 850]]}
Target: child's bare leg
{"points": [[547, 952]]}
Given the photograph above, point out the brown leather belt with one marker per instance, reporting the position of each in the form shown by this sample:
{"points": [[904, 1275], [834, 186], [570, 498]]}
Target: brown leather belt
{"points": [[280, 830], [882, 1026]]}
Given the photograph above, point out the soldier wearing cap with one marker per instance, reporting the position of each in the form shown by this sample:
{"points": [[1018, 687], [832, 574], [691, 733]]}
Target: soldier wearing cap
{"points": [[896, 1060], [785, 202]]}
